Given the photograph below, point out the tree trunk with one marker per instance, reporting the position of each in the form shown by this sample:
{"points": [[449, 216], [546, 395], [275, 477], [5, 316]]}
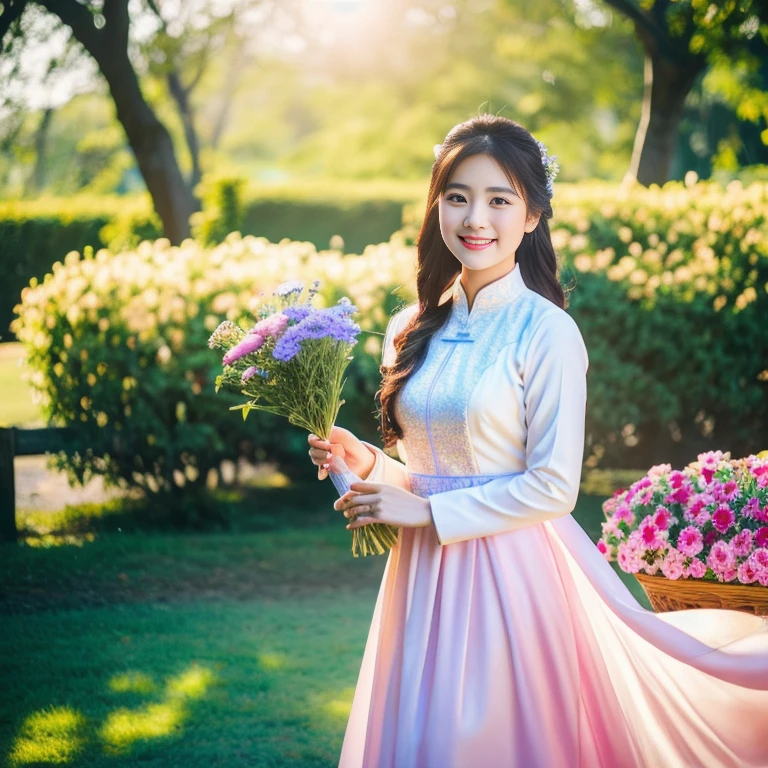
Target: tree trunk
{"points": [[147, 136], [666, 86], [41, 150]]}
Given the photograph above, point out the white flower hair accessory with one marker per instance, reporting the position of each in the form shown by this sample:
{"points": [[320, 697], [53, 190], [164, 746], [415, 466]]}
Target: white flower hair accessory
{"points": [[551, 168]]}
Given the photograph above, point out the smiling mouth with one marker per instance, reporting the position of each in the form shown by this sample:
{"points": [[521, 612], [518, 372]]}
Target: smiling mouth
{"points": [[476, 242]]}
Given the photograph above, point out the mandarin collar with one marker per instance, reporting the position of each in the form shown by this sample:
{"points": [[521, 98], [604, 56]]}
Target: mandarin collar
{"points": [[489, 298]]}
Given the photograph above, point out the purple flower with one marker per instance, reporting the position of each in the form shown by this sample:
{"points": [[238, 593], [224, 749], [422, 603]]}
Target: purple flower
{"points": [[298, 312], [344, 307], [320, 324]]}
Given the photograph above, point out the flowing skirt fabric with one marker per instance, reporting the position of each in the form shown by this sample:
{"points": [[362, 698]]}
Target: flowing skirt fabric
{"points": [[526, 650]]}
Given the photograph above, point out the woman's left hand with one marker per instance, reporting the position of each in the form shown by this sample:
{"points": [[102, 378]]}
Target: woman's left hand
{"points": [[367, 503]]}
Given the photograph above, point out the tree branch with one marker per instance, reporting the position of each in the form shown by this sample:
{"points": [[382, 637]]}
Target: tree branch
{"points": [[642, 21], [79, 19]]}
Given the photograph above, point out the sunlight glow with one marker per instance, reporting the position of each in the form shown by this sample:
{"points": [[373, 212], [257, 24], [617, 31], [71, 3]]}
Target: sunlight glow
{"points": [[159, 719], [132, 682]]}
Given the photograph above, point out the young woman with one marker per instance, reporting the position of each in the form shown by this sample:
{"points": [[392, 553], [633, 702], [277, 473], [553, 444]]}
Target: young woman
{"points": [[501, 637]]}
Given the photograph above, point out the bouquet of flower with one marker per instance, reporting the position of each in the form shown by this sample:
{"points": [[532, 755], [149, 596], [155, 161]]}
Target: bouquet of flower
{"points": [[708, 521], [292, 363]]}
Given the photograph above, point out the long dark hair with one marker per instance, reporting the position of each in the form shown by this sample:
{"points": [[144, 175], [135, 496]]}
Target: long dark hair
{"points": [[517, 152]]}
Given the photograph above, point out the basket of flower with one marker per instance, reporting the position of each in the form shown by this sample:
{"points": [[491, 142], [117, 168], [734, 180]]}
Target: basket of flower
{"points": [[697, 537]]}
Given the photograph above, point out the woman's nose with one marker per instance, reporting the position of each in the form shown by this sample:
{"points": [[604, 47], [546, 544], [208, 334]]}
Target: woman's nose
{"points": [[476, 218]]}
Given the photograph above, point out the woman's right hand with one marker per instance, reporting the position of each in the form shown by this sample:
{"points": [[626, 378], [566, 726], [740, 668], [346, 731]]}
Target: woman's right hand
{"points": [[344, 445]]}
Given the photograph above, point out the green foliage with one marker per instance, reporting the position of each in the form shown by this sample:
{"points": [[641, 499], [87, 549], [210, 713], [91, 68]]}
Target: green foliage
{"points": [[670, 289], [117, 345], [222, 209], [34, 235]]}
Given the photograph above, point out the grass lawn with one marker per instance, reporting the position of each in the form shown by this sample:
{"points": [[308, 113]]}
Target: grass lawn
{"points": [[237, 648]]}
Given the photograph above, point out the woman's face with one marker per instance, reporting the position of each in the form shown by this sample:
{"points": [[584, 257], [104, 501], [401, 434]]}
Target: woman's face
{"points": [[482, 217]]}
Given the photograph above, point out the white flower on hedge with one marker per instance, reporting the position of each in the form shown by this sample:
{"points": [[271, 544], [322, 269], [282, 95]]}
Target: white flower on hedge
{"points": [[164, 354]]}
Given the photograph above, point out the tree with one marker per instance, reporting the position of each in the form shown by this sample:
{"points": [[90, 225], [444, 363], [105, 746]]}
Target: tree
{"points": [[680, 39], [104, 35]]}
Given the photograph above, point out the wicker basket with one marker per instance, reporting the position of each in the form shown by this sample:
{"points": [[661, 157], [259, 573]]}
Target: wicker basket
{"points": [[679, 594]]}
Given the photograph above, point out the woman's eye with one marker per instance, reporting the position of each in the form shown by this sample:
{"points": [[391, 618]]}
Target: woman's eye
{"points": [[454, 195], [503, 201]]}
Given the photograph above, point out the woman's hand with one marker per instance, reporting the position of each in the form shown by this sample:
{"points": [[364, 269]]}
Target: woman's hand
{"points": [[367, 503], [344, 445]]}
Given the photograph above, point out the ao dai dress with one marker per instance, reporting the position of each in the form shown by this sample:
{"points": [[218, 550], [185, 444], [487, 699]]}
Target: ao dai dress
{"points": [[501, 638]]}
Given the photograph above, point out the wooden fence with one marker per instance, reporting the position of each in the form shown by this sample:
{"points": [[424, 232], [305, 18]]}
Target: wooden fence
{"points": [[23, 442]]}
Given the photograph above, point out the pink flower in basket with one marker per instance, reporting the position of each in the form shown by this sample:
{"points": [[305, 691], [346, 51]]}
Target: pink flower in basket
{"points": [[706, 521], [723, 518], [690, 541]]}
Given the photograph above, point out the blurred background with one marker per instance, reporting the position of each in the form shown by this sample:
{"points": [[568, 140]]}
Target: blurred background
{"points": [[174, 584]]}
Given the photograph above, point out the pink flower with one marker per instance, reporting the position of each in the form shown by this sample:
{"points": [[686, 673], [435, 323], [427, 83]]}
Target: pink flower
{"points": [[729, 574], [741, 543], [650, 534], [604, 549], [273, 325], [697, 569], [672, 565], [690, 541], [659, 470], [761, 474], [761, 537], [721, 558], [710, 538], [703, 517], [624, 512], [723, 518], [727, 491], [711, 458], [661, 518], [611, 528], [251, 343], [680, 496], [627, 558], [747, 572]]}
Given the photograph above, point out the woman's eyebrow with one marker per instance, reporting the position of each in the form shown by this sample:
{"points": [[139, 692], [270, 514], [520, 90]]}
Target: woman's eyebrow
{"points": [[456, 185]]}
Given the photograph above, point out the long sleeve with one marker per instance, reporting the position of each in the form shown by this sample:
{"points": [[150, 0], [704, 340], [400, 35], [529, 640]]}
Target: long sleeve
{"points": [[555, 393], [386, 469]]}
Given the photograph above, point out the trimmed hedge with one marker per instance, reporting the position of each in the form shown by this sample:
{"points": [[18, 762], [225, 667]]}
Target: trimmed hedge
{"points": [[35, 234]]}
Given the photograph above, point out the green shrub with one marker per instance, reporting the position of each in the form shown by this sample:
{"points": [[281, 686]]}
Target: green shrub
{"points": [[117, 346], [35, 234], [672, 298]]}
